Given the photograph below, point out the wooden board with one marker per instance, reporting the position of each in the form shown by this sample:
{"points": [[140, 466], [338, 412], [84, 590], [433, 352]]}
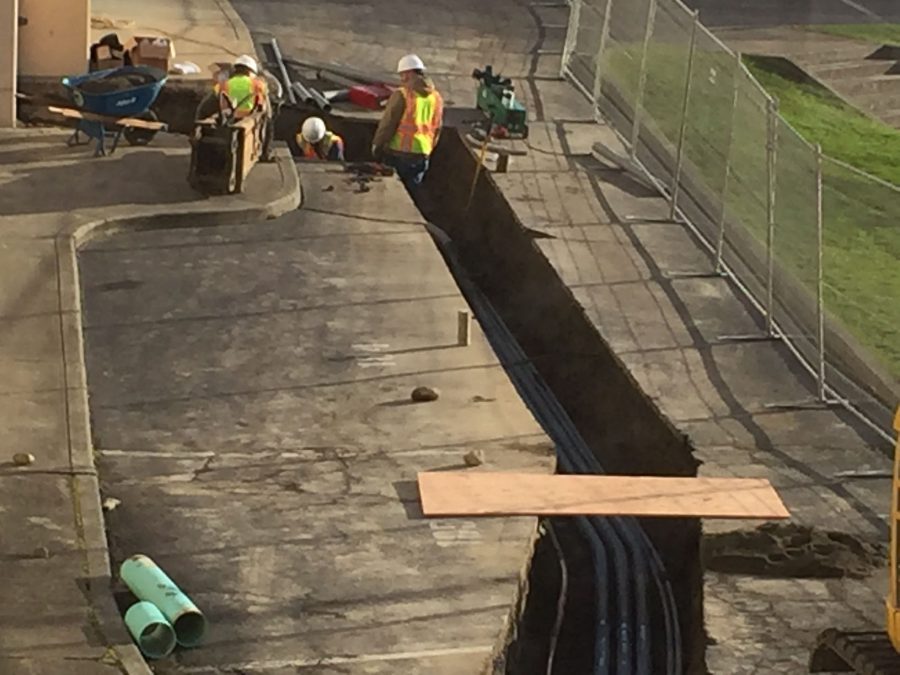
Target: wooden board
{"points": [[480, 493], [133, 122]]}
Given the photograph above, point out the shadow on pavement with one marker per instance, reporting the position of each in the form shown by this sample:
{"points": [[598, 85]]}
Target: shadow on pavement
{"points": [[139, 177]]}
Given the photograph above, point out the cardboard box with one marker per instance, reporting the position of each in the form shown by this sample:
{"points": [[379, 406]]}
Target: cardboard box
{"points": [[105, 58], [155, 52]]}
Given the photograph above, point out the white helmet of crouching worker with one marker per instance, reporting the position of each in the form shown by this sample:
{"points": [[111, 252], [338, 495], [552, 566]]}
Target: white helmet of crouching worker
{"points": [[313, 129]]}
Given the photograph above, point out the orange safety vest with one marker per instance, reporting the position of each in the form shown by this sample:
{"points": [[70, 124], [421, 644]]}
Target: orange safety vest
{"points": [[421, 122], [309, 150]]}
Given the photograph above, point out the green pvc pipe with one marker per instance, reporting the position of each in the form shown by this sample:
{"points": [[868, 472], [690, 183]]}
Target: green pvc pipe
{"points": [[148, 582], [150, 629]]}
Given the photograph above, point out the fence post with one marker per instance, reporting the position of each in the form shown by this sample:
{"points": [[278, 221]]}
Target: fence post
{"points": [[642, 79], [771, 170], [820, 274], [682, 129], [598, 60], [571, 35], [720, 243]]}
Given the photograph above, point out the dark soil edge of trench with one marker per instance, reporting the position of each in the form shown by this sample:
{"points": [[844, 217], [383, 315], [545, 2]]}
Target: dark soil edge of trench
{"points": [[624, 428]]}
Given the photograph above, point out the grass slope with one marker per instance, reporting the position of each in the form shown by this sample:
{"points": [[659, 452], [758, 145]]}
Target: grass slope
{"points": [[843, 132], [862, 217]]}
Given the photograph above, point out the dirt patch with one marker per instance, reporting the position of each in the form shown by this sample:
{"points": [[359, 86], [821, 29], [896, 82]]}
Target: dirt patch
{"points": [[111, 83], [789, 550]]}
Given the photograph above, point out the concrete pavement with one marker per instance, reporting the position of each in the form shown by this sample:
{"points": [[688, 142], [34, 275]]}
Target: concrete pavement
{"points": [[260, 435], [662, 330], [56, 610], [720, 13], [615, 269], [204, 31]]}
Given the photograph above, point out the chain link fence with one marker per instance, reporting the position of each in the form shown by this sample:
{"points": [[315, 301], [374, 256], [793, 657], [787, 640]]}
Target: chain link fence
{"points": [[814, 242]]}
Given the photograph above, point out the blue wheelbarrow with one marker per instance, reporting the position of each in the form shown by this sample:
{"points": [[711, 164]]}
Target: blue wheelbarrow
{"points": [[113, 103]]}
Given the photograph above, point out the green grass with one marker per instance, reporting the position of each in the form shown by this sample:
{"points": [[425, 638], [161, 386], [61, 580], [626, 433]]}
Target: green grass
{"points": [[843, 132], [876, 33], [862, 217]]}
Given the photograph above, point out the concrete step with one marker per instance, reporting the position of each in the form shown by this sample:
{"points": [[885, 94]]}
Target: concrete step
{"points": [[877, 103], [823, 55], [850, 69], [801, 54], [886, 85], [891, 117]]}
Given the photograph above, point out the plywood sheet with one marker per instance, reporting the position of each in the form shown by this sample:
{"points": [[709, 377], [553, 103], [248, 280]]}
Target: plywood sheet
{"points": [[480, 493], [71, 113]]}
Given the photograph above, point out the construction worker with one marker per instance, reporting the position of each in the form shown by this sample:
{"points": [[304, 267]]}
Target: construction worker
{"points": [[411, 124], [315, 141], [244, 92]]}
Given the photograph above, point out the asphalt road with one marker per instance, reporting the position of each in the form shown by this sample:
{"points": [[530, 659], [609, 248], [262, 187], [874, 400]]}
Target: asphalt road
{"points": [[719, 13]]}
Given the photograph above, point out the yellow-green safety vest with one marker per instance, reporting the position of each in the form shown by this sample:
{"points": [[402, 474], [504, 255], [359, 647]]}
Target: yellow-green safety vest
{"points": [[421, 121], [244, 92]]}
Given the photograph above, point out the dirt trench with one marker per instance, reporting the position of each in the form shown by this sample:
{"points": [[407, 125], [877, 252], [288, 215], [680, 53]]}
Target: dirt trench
{"points": [[623, 427], [626, 432]]}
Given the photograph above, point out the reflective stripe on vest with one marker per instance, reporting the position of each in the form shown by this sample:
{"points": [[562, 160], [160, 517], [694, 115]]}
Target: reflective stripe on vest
{"points": [[244, 92], [420, 123], [309, 150]]}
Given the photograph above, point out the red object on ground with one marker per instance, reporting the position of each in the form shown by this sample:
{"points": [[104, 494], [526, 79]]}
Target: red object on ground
{"points": [[370, 96]]}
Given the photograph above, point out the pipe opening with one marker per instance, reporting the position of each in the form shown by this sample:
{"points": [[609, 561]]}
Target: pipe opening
{"points": [[190, 628], [157, 640], [153, 634]]}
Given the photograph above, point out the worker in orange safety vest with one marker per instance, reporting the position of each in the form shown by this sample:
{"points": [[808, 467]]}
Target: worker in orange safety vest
{"points": [[410, 127], [315, 142]]}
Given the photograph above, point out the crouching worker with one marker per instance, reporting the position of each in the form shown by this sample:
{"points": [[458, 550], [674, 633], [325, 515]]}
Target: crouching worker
{"points": [[241, 93], [315, 142], [411, 124]]}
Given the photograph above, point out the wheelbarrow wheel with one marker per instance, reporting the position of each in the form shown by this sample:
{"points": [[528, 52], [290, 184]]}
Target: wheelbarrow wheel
{"points": [[141, 137]]}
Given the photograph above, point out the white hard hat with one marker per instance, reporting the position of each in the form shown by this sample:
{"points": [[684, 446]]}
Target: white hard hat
{"points": [[248, 62], [313, 129], [410, 62]]}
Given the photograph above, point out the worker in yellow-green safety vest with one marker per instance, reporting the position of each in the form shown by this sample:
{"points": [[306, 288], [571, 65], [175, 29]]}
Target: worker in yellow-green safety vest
{"points": [[245, 91], [315, 142], [411, 124]]}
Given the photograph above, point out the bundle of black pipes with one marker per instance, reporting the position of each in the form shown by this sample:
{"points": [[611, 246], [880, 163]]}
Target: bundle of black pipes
{"points": [[620, 549]]}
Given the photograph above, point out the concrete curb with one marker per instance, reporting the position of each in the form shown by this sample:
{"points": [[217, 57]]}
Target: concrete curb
{"points": [[85, 489], [237, 23]]}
